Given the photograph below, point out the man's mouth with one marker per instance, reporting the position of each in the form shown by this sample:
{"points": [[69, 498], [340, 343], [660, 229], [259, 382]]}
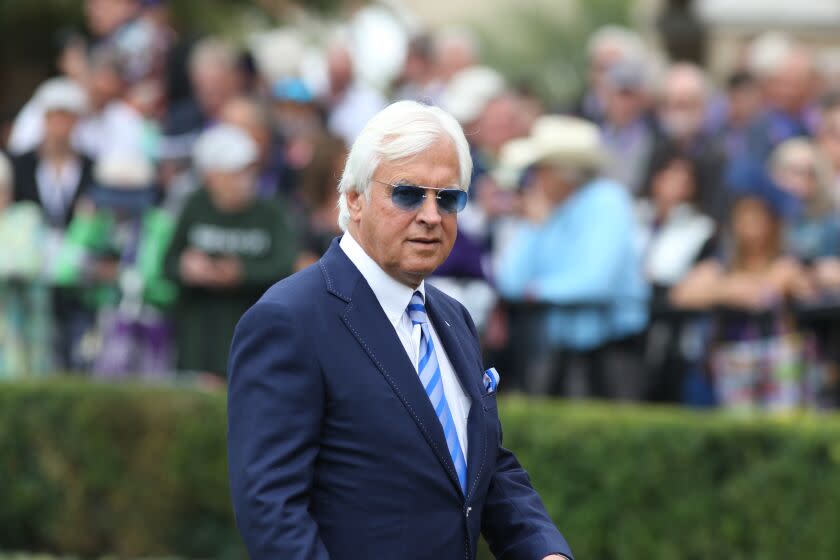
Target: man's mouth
{"points": [[425, 240]]}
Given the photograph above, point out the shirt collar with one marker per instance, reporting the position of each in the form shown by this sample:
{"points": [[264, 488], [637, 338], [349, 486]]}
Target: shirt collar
{"points": [[393, 296]]}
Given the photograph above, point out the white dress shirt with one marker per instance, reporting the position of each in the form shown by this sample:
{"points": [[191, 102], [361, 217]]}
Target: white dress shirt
{"points": [[57, 186], [394, 298]]}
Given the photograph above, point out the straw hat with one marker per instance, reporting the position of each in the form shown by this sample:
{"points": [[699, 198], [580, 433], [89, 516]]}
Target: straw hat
{"points": [[558, 140]]}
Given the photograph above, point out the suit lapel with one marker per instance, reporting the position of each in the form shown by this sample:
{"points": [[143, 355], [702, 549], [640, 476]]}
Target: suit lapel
{"points": [[368, 323], [471, 383]]}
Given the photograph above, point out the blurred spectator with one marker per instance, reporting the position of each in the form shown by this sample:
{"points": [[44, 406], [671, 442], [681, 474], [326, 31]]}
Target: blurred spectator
{"points": [[113, 125], [113, 255], [56, 178], [105, 19], [318, 190], [608, 46], [350, 103], [743, 104], [759, 358], [813, 226], [138, 31], [629, 134], [227, 249], [213, 71], [419, 78], [108, 122], [570, 214], [682, 109], [456, 49], [254, 118], [828, 141], [25, 313], [488, 110], [674, 235], [54, 175], [300, 125], [787, 77]]}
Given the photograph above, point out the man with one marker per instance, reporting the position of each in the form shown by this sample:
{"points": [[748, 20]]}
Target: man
{"points": [[574, 249], [254, 118], [456, 49], [607, 47], [787, 76], [212, 69], [227, 249], [682, 111], [361, 424], [348, 100], [629, 134], [54, 175], [418, 79]]}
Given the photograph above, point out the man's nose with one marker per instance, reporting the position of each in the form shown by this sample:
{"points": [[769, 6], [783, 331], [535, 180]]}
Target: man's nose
{"points": [[429, 213]]}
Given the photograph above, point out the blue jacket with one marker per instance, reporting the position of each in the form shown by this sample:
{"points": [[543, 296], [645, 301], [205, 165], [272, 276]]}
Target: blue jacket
{"points": [[334, 448], [583, 258]]}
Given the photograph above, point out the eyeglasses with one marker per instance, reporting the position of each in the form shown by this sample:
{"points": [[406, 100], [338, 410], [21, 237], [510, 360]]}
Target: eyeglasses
{"points": [[410, 197]]}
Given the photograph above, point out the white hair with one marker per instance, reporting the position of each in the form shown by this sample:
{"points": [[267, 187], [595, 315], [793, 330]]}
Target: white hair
{"points": [[768, 52], [7, 174], [626, 40], [683, 71], [402, 129], [211, 51], [457, 37]]}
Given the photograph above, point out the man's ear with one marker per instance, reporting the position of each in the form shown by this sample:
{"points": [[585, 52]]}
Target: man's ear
{"points": [[355, 203]]}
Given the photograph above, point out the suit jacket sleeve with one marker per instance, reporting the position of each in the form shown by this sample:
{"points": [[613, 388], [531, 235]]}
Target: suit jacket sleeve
{"points": [[514, 520], [275, 408]]}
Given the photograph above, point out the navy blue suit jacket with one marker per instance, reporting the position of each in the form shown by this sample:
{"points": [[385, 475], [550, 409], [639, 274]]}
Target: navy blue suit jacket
{"points": [[334, 448]]}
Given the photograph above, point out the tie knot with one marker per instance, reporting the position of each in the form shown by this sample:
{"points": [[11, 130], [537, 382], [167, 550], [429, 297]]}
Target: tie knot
{"points": [[416, 310]]}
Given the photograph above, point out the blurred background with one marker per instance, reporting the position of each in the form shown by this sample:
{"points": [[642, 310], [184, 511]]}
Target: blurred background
{"points": [[663, 304]]}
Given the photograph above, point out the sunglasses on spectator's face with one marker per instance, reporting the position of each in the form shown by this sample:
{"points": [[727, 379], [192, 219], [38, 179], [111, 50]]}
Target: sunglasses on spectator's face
{"points": [[408, 197]]}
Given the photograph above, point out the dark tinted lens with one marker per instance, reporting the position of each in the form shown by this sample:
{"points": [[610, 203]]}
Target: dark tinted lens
{"points": [[407, 197], [452, 200]]}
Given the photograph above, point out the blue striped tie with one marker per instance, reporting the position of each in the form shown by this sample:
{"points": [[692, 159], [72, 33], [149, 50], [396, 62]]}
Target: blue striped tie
{"points": [[429, 371]]}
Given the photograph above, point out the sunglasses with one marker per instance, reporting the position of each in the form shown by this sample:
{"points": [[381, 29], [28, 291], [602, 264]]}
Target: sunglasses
{"points": [[410, 197]]}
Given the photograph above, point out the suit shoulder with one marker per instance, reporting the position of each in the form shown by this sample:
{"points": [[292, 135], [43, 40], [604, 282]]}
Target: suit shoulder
{"points": [[288, 300], [297, 290]]}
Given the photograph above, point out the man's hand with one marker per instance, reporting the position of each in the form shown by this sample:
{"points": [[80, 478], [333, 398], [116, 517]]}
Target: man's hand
{"points": [[196, 268], [228, 272], [535, 205]]}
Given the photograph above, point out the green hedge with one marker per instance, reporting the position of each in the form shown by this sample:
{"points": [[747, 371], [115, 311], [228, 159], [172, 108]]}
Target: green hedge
{"points": [[88, 469]]}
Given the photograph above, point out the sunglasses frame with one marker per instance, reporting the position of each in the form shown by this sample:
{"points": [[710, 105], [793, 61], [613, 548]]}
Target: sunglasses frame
{"points": [[438, 191]]}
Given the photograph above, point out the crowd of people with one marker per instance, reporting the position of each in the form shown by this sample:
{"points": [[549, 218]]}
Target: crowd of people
{"points": [[663, 239]]}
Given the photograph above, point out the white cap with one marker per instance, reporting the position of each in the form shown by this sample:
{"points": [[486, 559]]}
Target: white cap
{"points": [[470, 90], [124, 171], [224, 148], [62, 94]]}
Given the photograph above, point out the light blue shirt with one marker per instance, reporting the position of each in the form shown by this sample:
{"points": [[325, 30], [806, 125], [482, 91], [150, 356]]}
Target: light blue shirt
{"points": [[583, 254]]}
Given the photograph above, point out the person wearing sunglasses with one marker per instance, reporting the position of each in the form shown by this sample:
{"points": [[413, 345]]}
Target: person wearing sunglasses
{"points": [[362, 423]]}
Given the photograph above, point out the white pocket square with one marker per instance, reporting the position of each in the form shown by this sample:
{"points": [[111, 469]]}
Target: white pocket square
{"points": [[491, 380]]}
